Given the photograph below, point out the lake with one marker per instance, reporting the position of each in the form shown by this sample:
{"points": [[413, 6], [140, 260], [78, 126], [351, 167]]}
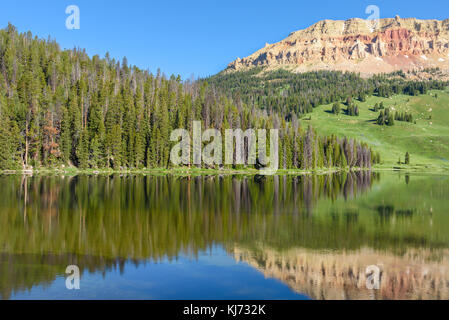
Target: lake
{"points": [[226, 237]]}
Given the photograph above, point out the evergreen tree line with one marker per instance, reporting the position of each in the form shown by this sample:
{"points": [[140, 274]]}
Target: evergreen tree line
{"points": [[403, 116], [385, 118], [287, 92], [307, 150], [378, 106], [336, 108], [351, 108], [63, 108]]}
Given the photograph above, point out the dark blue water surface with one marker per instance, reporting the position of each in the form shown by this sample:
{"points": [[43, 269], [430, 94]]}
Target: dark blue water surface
{"points": [[211, 275]]}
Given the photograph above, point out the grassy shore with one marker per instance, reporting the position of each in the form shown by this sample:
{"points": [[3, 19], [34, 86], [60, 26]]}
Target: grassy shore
{"points": [[202, 172], [171, 171]]}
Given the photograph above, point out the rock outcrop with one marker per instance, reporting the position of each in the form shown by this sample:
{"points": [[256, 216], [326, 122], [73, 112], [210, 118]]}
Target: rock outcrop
{"points": [[414, 275], [365, 46]]}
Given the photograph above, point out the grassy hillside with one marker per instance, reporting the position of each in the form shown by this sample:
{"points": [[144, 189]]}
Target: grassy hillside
{"points": [[427, 141]]}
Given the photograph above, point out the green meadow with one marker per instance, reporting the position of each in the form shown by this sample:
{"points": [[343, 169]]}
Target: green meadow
{"points": [[427, 140]]}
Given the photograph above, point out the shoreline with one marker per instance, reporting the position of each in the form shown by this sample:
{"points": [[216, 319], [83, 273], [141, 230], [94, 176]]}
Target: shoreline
{"points": [[205, 172]]}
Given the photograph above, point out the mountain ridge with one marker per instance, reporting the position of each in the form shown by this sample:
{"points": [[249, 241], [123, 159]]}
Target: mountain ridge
{"points": [[357, 45]]}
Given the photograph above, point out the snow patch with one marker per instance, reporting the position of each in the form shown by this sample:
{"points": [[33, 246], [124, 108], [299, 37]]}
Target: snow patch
{"points": [[406, 56], [379, 58], [441, 59], [424, 57]]}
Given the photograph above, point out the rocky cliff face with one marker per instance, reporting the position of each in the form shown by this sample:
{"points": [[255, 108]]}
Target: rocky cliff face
{"points": [[415, 275], [359, 45]]}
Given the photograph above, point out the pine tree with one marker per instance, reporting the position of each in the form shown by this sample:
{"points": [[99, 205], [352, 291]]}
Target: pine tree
{"points": [[82, 150], [7, 152], [336, 108], [95, 158], [65, 138]]}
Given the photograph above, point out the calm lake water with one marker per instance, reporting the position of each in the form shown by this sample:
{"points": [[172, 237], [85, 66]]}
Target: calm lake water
{"points": [[231, 237]]}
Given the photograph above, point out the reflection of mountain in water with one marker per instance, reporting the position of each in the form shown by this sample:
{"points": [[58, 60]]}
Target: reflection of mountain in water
{"points": [[335, 276]]}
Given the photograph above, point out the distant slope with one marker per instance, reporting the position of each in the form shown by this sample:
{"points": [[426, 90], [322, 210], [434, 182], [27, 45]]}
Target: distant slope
{"points": [[358, 45], [309, 97], [427, 140], [299, 93]]}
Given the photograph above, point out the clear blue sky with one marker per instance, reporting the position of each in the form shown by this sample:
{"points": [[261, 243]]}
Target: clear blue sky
{"points": [[191, 37]]}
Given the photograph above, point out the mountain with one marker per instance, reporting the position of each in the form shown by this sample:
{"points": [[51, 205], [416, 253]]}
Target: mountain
{"points": [[358, 45]]}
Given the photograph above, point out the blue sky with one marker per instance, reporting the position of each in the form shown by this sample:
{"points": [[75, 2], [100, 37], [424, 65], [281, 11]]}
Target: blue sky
{"points": [[191, 37]]}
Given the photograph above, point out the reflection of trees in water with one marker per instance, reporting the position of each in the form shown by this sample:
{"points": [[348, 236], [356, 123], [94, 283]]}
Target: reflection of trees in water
{"points": [[151, 218], [386, 212], [51, 193], [20, 272], [155, 217], [306, 190], [359, 183]]}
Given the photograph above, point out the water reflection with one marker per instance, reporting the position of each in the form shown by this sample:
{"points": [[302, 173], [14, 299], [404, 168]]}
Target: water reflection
{"points": [[334, 276], [103, 222]]}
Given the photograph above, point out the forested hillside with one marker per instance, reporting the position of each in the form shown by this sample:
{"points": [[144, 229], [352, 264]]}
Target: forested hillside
{"points": [[299, 93], [63, 108]]}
